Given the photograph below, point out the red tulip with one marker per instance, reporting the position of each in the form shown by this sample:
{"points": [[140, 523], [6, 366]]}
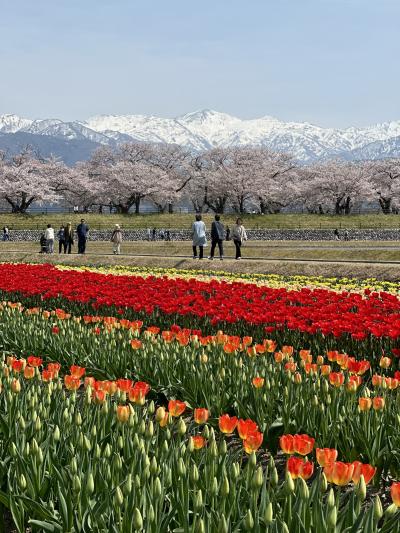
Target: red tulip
{"points": [[378, 403], [395, 493], [298, 467], [227, 424], [201, 415], [336, 379], [176, 407], [124, 384], [198, 442], [258, 382], [253, 441], [326, 456], [245, 427], [339, 473], [34, 361], [72, 382], [286, 443], [366, 470], [77, 371]]}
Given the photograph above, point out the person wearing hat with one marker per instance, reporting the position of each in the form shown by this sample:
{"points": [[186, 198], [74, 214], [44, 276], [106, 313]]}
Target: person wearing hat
{"points": [[116, 239]]}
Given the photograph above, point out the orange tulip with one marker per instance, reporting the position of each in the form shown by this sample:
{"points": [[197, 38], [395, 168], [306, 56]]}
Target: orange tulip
{"points": [[291, 366], [339, 473], [246, 427], [278, 356], [392, 383], [227, 424], [47, 375], [164, 421], [18, 365], [77, 371], [54, 367], [395, 493], [305, 355], [366, 470], [247, 341], [336, 379], [378, 403], [286, 443], [377, 380], [124, 384], [29, 372], [332, 356], [326, 370], [229, 347], [297, 378], [201, 415], [287, 350], [168, 336], [198, 442], [34, 361], [176, 407], [297, 467], [326, 456], [385, 362], [136, 344], [253, 441], [258, 382], [99, 396], [364, 404], [303, 444], [320, 360], [270, 345], [72, 382], [15, 385], [89, 381], [123, 413]]}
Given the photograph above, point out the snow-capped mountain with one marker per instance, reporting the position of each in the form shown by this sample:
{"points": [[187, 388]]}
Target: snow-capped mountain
{"points": [[205, 129]]}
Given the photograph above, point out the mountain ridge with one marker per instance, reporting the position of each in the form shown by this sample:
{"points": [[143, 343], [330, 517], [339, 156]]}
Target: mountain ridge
{"points": [[206, 128]]}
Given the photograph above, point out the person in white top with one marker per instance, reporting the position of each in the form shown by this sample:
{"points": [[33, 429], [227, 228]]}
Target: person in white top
{"points": [[199, 237], [49, 236], [238, 235]]}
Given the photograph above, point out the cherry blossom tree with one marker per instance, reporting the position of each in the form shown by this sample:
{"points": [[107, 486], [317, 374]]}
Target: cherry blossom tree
{"points": [[25, 180], [334, 186], [385, 182]]}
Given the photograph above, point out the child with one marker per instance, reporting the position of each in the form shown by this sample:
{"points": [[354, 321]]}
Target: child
{"points": [[43, 244]]}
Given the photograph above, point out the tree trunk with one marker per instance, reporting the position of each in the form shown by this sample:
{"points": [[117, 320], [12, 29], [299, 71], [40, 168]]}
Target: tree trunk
{"points": [[347, 206], [386, 204]]}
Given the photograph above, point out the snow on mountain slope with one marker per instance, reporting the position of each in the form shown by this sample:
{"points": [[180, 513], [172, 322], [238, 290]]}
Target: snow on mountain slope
{"points": [[204, 129], [13, 123]]}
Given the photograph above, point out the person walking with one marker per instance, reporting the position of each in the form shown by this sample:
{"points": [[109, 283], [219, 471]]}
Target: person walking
{"points": [[116, 239], [49, 236], [82, 231], [68, 238], [228, 233], [239, 235], [148, 234], [217, 237], [61, 239], [154, 234], [6, 234], [199, 237], [336, 234]]}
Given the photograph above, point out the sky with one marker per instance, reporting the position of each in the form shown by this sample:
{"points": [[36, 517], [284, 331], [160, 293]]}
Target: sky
{"points": [[330, 62]]}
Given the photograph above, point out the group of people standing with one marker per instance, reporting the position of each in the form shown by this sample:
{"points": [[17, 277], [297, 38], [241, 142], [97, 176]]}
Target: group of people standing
{"points": [[65, 237], [218, 235]]}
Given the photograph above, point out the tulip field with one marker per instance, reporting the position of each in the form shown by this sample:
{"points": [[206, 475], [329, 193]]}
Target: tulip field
{"points": [[163, 402]]}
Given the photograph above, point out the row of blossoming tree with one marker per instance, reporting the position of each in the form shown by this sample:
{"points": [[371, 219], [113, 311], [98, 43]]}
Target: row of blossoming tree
{"points": [[241, 179]]}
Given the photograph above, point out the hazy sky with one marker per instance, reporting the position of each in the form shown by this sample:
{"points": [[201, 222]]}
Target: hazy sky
{"points": [[331, 62]]}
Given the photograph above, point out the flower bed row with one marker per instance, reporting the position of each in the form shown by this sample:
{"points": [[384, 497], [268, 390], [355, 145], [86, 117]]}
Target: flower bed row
{"points": [[314, 318], [333, 396], [107, 460]]}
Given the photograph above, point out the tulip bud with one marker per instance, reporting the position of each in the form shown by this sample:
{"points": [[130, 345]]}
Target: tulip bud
{"points": [[213, 449], [21, 421], [274, 479], [181, 468], [224, 489], [181, 427], [199, 526], [249, 521], [391, 510], [127, 487], [235, 470], [56, 434], [304, 491], [151, 515], [223, 526], [22, 482], [137, 520], [257, 480], [160, 414], [149, 430], [90, 484], [324, 483], [76, 484], [157, 491], [378, 511], [151, 408], [118, 497], [78, 419], [289, 483], [74, 465], [331, 499], [222, 447], [198, 501], [331, 519], [206, 432], [362, 489], [39, 456], [269, 514], [194, 473], [153, 466]]}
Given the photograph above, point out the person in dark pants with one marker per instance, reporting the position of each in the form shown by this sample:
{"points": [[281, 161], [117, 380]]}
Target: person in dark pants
{"points": [[61, 239], [217, 237], [228, 233], [82, 231], [68, 238], [238, 235]]}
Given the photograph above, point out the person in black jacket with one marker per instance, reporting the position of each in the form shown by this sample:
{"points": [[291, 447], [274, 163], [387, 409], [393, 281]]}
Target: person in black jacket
{"points": [[217, 237]]}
